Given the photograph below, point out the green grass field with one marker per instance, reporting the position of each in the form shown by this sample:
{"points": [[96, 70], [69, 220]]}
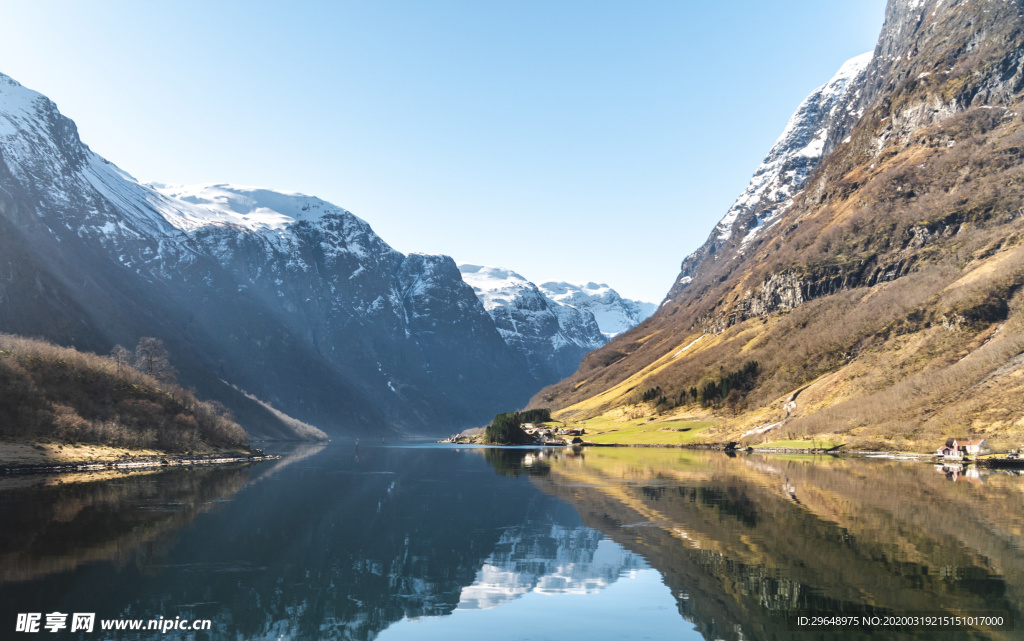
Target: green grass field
{"points": [[640, 432]]}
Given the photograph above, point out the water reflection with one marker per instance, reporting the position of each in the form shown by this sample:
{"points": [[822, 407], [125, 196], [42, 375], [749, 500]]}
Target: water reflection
{"points": [[337, 544], [547, 560], [746, 541], [56, 523], [349, 543]]}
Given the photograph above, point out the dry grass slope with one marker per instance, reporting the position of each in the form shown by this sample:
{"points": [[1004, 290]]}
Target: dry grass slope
{"points": [[51, 392]]}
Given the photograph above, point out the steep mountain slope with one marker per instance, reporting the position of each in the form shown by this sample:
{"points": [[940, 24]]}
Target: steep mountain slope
{"points": [[553, 338], [613, 313], [878, 285], [783, 172], [282, 295]]}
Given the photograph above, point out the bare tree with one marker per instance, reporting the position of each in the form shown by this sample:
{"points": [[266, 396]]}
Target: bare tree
{"points": [[151, 358], [122, 357]]}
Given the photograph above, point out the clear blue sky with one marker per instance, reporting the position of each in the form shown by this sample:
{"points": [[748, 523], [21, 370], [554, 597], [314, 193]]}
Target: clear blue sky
{"points": [[565, 140]]}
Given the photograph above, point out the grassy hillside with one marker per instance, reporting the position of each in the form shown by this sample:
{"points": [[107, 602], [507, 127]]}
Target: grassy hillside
{"points": [[59, 394], [884, 308]]}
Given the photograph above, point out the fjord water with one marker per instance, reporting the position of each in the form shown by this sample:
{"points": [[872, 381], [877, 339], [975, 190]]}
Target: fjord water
{"points": [[431, 542]]}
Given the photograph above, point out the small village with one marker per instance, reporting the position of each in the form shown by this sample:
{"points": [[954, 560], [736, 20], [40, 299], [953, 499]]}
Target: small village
{"points": [[959, 459], [541, 435], [559, 436]]}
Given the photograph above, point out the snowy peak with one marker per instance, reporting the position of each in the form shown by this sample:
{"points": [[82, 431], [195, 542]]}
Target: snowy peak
{"points": [[494, 286], [38, 142], [252, 208], [562, 288], [552, 337], [614, 314], [811, 134], [795, 154], [23, 111], [563, 320], [284, 295]]}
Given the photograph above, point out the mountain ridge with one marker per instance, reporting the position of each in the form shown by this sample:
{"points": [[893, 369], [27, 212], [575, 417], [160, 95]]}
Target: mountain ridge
{"points": [[613, 313]]}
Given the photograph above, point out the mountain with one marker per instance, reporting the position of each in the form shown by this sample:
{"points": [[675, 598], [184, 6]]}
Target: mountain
{"points": [[274, 294], [873, 267], [613, 313], [783, 172], [553, 338]]}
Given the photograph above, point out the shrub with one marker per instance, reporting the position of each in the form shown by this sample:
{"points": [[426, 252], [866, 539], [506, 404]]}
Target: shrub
{"points": [[48, 391]]}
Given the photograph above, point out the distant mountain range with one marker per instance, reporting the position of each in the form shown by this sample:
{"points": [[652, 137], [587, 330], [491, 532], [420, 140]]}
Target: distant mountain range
{"points": [[555, 325], [613, 313], [873, 267], [254, 291]]}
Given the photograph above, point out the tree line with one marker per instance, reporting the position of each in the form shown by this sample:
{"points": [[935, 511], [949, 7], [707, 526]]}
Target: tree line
{"points": [[728, 388]]}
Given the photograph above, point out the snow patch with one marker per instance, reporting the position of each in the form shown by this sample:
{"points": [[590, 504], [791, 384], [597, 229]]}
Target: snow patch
{"points": [[694, 342], [797, 149]]}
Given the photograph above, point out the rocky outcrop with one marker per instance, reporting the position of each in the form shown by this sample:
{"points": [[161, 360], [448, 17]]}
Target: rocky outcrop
{"points": [[781, 291], [937, 44]]}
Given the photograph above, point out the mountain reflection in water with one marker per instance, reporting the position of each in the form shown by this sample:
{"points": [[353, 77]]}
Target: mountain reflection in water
{"points": [[747, 540], [549, 559], [442, 542]]}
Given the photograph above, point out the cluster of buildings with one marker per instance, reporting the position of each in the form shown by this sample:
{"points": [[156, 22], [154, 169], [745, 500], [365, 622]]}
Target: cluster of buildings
{"points": [[548, 436], [958, 448]]}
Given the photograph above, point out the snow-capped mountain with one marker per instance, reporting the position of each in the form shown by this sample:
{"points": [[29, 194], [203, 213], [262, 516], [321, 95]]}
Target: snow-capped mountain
{"points": [[782, 174], [794, 155], [552, 337], [614, 314], [283, 295]]}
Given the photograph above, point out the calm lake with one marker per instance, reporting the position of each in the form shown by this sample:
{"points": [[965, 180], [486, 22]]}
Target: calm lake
{"points": [[438, 542]]}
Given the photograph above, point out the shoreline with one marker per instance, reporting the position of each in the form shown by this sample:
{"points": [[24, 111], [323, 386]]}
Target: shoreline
{"points": [[27, 456], [84, 466], [927, 457]]}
